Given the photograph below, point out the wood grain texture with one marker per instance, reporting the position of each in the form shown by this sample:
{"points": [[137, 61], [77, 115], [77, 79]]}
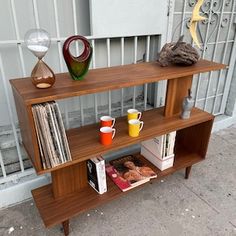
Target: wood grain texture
{"points": [[84, 142], [27, 128], [177, 89], [69, 194], [56, 211], [196, 138], [69, 179], [99, 80]]}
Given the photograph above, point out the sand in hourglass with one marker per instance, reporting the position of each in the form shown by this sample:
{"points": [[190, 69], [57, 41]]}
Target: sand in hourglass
{"points": [[42, 76]]}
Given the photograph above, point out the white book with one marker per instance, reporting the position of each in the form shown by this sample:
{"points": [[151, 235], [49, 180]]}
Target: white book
{"points": [[96, 177], [167, 144], [102, 174], [99, 175], [172, 143], [161, 164], [156, 145]]}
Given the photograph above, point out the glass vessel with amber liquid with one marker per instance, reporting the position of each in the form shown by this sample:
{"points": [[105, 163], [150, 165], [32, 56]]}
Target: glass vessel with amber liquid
{"points": [[38, 42]]}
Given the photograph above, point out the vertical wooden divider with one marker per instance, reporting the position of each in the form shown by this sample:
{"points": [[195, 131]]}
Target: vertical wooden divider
{"points": [[177, 89], [27, 128], [69, 179]]}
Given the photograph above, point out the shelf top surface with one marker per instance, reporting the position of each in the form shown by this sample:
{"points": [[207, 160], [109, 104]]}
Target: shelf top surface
{"points": [[84, 141], [99, 80]]}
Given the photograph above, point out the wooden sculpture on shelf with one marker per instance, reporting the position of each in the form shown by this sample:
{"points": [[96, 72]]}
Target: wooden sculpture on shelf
{"points": [[194, 20], [77, 66], [178, 53]]}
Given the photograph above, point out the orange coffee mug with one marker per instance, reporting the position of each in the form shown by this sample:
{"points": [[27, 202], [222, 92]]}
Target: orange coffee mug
{"points": [[107, 121], [106, 135]]}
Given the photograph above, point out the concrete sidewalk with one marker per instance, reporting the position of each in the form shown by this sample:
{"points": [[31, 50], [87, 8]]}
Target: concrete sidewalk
{"points": [[203, 205]]}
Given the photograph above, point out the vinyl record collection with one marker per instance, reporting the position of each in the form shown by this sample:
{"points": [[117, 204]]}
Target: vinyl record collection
{"points": [[51, 135]]}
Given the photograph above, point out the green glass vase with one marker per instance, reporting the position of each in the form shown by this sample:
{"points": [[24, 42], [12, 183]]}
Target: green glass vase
{"points": [[77, 66]]}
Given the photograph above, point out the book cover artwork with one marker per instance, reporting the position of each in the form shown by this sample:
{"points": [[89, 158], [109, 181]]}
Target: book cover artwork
{"points": [[96, 174], [128, 172]]}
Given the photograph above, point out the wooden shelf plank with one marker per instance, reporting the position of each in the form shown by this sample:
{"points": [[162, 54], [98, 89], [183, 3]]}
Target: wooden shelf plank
{"points": [[84, 142], [99, 80], [56, 211]]}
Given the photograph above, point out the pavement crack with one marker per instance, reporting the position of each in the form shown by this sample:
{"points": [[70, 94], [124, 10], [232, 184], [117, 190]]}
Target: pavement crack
{"points": [[232, 224], [197, 195]]}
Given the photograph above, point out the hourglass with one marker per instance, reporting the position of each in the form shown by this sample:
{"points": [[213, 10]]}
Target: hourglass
{"points": [[38, 42]]}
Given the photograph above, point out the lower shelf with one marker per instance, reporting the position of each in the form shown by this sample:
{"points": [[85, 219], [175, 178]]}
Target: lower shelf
{"points": [[55, 211]]}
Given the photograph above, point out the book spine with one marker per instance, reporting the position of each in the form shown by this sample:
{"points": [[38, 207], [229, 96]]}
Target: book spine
{"points": [[98, 167], [163, 147], [172, 143], [102, 175], [159, 145]]}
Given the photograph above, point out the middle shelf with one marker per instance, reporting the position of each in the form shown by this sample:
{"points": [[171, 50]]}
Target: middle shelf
{"points": [[84, 141]]}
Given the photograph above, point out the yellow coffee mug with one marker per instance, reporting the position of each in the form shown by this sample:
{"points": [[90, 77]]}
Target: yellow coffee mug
{"points": [[135, 126], [134, 114]]}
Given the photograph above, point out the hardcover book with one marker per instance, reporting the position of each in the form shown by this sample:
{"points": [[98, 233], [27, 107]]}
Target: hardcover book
{"points": [[162, 146], [96, 174], [129, 172]]}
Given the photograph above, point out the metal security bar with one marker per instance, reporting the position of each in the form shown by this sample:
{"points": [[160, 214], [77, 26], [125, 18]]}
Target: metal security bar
{"points": [[124, 98], [58, 40], [220, 21]]}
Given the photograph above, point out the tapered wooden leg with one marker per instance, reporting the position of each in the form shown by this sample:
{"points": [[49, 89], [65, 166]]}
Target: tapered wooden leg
{"points": [[66, 227], [187, 171]]}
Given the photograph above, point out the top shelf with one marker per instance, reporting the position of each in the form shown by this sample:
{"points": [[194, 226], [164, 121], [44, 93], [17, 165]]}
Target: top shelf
{"points": [[99, 80]]}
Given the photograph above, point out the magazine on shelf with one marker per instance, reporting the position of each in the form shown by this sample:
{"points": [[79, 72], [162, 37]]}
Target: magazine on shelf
{"points": [[128, 172], [52, 140]]}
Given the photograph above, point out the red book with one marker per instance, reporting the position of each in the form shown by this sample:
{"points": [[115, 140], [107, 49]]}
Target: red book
{"points": [[129, 172]]}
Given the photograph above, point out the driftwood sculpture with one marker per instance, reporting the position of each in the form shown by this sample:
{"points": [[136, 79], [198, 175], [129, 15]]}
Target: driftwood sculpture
{"points": [[178, 53]]}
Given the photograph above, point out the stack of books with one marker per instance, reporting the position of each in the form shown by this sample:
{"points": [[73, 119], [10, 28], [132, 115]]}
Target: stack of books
{"points": [[160, 150], [129, 172], [97, 174], [51, 135]]}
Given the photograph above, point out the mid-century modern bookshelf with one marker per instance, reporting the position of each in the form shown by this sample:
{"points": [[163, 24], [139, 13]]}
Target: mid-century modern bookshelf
{"points": [[69, 193]]}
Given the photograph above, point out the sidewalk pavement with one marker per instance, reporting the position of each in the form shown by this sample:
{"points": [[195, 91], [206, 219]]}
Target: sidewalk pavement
{"points": [[205, 204]]}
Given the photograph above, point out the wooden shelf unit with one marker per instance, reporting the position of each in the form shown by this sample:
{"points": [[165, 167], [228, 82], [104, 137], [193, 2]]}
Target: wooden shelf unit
{"points": [[69, 194], [87, 198]]}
